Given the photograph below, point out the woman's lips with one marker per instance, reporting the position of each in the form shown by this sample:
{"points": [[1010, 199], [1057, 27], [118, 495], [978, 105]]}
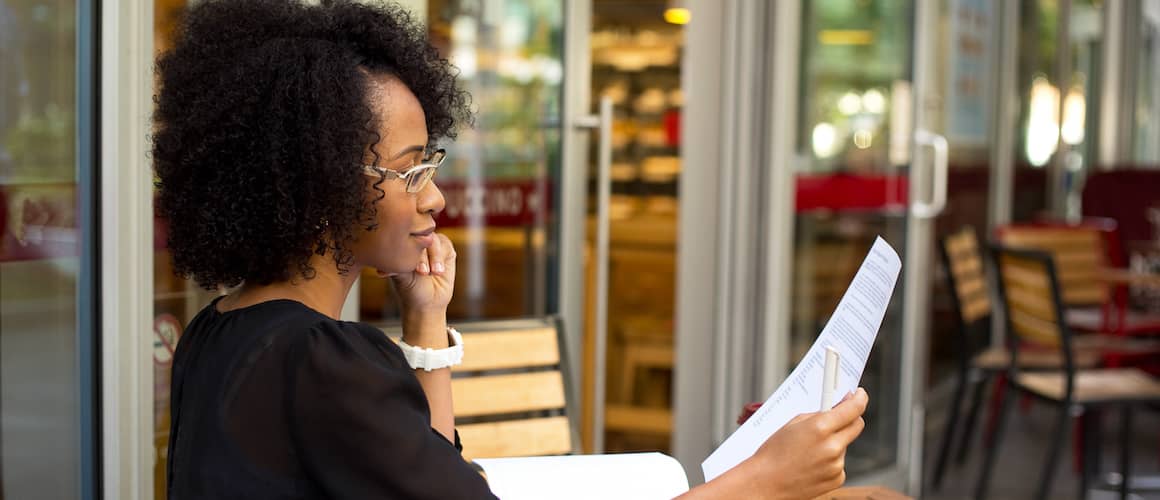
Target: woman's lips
{"points": [[426, 236]]}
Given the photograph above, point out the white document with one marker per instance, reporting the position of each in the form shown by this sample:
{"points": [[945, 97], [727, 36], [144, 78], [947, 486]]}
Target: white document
{"points": [[851, 330], [629, 476]]}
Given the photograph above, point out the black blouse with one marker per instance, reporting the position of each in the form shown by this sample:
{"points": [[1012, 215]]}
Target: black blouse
{"points": [[278, 401]]}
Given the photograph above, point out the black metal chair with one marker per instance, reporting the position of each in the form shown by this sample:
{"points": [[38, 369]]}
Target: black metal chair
{"points": [[1029, 295], [978, 363], [967, 283]]}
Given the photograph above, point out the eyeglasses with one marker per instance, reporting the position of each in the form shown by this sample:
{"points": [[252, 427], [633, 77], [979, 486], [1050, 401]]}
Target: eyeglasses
{"points": [[418, 176]]}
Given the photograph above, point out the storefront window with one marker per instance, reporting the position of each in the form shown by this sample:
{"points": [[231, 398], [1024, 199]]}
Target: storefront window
{"points": [[1056, 118], [636, 63], [501, 176], [855, 99], [855, 117], [47, 326], [1147, 122]]}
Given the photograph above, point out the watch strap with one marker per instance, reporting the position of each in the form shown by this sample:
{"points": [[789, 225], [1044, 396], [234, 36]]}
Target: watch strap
{"points": [[429, 359]]}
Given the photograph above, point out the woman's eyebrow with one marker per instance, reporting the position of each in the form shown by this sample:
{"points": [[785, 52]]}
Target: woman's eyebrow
{"points": [[409, 149]]}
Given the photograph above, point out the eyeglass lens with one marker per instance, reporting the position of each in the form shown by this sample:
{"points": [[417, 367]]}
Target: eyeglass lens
{"points": [[417, 182]]}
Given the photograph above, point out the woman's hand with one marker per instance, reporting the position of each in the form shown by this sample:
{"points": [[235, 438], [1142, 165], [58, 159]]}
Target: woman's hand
{"points": [[802, 460], [428, 288], [807, 457], [424, 294]]}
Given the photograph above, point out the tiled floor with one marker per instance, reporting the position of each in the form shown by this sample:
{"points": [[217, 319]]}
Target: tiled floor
{"points": [[1024, 449]]}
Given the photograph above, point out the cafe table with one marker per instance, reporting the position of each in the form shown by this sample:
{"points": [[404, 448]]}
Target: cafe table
{"points": [[1124, 276]]}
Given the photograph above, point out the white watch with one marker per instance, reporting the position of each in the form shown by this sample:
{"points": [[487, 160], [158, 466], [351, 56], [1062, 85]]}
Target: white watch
{"points": [[429, 359]]}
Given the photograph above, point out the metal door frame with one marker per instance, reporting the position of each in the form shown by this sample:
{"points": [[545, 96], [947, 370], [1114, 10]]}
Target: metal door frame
{"points": [[126, 251]]}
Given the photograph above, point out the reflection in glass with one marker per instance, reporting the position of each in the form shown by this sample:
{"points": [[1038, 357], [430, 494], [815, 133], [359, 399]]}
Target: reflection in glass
{"points": [[854, 52], [499, 179], [853, 138], [1147, 123], [636, 57], [42, 275]]}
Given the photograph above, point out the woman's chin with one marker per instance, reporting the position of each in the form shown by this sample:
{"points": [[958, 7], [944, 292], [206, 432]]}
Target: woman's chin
{"points": [[389, 271]]}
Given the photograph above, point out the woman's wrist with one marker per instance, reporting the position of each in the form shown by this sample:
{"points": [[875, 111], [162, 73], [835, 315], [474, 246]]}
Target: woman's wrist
{"points": [[426, 329]]}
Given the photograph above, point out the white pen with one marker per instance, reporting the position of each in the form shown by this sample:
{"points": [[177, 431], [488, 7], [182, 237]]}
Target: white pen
{"points": [[829, 378]]}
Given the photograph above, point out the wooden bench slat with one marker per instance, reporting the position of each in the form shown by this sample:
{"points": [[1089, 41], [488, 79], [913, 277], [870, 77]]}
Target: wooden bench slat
{"points": [[965, 267], [516, 438], [971, 286], [533, 347], [977, 307], [496, 394], [962, 243], [1040, 237], [1118, 384]]}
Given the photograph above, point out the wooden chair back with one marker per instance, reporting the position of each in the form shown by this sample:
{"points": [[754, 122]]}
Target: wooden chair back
{"points": [[1079, 251], [510, 394], [1030, 295], [970, 295], [965, 275]]}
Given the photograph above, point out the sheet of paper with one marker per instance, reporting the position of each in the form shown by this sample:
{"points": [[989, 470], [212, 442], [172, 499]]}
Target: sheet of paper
{"points": [[851, 330], [628, 476]]}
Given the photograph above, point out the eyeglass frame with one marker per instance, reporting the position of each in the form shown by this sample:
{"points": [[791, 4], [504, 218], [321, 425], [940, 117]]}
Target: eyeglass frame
{"points": [[431, 162]]}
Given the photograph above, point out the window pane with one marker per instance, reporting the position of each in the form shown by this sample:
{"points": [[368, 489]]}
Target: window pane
{"points": [[1147, 123], [500, 176], [46, 325], [854, 120]]}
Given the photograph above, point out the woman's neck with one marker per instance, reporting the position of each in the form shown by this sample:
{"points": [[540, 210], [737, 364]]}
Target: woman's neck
{"points": [[326, 292]]}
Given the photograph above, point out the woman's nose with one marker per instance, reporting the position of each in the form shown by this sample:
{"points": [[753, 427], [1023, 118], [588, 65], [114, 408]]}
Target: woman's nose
{"points": [[431, 199]]}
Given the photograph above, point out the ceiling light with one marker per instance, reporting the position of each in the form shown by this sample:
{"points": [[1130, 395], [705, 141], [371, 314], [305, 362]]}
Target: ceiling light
{"points": [[677, 13]]}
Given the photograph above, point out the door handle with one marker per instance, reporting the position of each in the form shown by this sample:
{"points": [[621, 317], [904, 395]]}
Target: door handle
{"points": [[938, 202], [603, 123]]}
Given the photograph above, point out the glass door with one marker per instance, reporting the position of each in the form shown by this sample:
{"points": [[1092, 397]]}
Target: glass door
{"points": [[895, 105], [501, 177], [50, 433], [631, 225]]}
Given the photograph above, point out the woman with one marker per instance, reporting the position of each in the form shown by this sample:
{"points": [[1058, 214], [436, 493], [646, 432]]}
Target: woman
{"points": [[292, 150]]}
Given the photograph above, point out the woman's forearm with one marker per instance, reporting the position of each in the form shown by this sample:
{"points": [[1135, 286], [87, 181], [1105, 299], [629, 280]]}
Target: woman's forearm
{"points": [[732, 484], [430, 330], [749, 479]]}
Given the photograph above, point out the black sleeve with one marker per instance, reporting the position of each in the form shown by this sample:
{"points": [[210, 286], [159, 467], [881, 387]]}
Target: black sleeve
{"points": [[361, 423]]}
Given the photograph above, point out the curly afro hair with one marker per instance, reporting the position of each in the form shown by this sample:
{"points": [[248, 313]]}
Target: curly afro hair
{"points": [[262, 122]]}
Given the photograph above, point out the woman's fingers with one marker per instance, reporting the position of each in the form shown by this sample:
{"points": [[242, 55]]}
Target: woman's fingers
{"points": [[424, 266], [438, 258], [851, 432], [449, 255], [846, 411], [435, 255]]}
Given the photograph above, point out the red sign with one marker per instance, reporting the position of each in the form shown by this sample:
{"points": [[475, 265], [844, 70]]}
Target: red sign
{"points": [[851, 193], [495, 203]]}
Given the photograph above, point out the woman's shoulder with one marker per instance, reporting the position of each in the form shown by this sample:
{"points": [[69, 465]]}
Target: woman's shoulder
{"points": [[296, 326], [331, 338]]}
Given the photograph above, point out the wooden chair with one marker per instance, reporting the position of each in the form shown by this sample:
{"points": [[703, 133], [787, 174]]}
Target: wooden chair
{"points": [[642, 409], [978, 364], [1031, 296], [971, 302], [1083, 251], [510, 394]]}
